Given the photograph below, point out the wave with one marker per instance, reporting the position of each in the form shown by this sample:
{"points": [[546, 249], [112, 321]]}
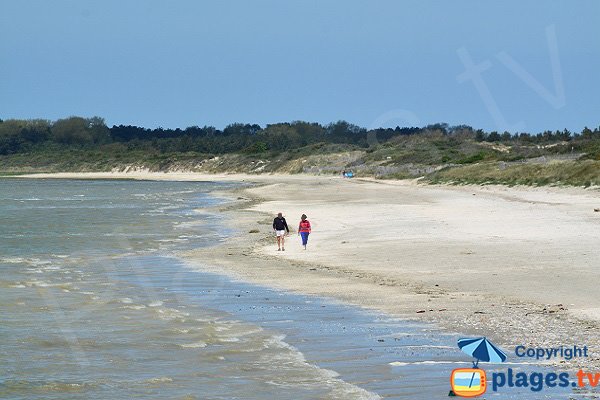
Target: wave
{"points": [[158, 380], [134, 307], [193, 345], [31, 261], [36, 283], [291, 357]]}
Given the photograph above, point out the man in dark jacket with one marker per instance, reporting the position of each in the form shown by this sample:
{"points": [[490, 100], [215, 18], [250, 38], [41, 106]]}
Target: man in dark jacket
{"points": [[281, 229]]}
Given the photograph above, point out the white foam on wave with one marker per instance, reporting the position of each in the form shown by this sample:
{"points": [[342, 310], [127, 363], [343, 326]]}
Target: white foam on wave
{"points": [[135, 307], [195, 345], [295, 358], [33, 262], [156, 303], [33, 271], [46, 284], [37, 262], [172, 240], [161, 379], [188, 224], [12, 260], [222, 328], [231, 339], [169, 314]]}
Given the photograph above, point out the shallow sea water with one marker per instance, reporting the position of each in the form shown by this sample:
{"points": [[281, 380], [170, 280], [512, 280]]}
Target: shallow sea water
{"points": [[94, 304]]}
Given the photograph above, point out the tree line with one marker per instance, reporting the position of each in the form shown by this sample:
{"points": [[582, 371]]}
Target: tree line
{"points": [[21, 136]]}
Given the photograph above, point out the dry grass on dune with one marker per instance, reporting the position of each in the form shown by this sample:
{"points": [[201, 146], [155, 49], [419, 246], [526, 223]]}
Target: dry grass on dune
{"points": [[576, 173]]}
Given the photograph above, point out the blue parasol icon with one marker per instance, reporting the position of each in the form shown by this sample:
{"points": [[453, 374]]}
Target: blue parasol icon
{"points": [[482, 350]]}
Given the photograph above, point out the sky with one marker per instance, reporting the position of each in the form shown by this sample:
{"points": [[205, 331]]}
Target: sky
{"points": [[514, 65]]}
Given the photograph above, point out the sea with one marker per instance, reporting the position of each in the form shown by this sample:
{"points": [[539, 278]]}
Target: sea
{"points": [[97, 303]]}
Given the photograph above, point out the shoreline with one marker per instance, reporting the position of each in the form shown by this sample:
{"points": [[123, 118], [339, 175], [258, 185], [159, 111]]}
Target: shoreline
{"points": [[429, 263]]}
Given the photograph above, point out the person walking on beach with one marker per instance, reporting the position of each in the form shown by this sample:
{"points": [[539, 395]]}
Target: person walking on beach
{"points": [[304, 230], [281, 229]]}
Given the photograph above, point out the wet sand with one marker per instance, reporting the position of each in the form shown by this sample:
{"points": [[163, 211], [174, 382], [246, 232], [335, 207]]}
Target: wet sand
{"points": [[519, 265]]}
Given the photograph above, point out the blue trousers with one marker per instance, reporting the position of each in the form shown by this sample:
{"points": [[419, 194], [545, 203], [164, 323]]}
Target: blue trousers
{"points": [[304, 237]]}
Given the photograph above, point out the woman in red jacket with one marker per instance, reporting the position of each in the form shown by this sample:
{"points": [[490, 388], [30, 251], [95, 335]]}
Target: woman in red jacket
{"points": [[304, 230]]}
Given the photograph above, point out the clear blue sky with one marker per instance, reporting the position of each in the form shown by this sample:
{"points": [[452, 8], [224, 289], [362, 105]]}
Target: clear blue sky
{"points": [[386, 62]]}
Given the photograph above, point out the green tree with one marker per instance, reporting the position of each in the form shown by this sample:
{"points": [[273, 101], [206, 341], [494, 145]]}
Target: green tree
{"points": [[506, 136], [493, 137], [80, 131], [98, 130], [72, 130]]}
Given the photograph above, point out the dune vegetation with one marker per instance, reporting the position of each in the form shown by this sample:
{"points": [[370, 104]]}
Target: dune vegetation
{"points": [[438, 153]]}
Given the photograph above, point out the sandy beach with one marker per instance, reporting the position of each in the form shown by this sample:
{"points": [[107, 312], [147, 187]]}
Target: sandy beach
{"points": [[518, 265]]}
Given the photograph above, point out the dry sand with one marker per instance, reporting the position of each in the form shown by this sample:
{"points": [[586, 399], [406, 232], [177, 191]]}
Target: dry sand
{"points": [[519, 265]]}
